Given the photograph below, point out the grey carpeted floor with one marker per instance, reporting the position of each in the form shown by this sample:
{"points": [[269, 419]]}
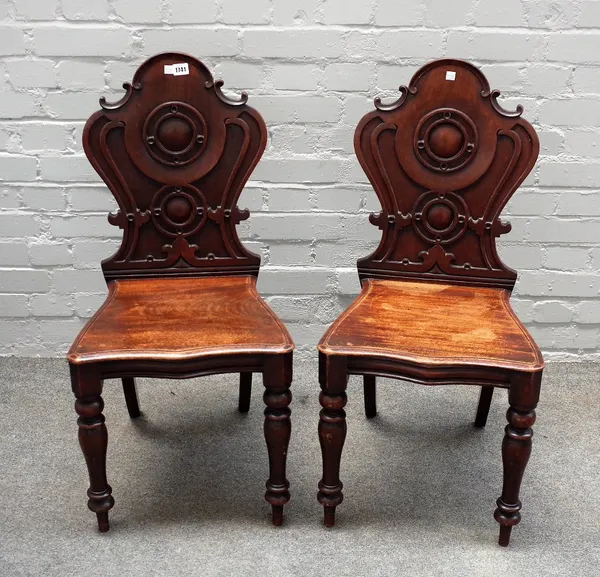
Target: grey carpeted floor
{"points": [[188, 479]]}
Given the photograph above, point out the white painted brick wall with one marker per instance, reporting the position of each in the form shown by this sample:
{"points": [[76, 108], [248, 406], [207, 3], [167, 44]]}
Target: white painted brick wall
{"points": [[312, 68]]}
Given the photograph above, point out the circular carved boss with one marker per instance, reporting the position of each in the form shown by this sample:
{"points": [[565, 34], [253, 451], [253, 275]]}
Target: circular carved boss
{"points": [[445, 140], [178, 210], [440, 217], [178, 131], [175, 133]]}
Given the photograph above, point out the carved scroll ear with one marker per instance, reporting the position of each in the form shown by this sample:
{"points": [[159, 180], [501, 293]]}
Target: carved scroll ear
{"points": [[129, 88], [404, 92], [218, 85], [493, 96]]}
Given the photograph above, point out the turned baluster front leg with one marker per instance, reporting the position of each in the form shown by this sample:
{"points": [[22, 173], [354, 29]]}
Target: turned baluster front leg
{"points": [[278, 428], [516, 450], [332, 432], [93, 439]]}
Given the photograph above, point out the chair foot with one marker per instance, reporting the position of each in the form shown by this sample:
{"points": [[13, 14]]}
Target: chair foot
{"points": [[131, 398], [483, 408], [277, 515], [103, 525], [245, 392], [329, 516], [370, 396], [504, 536], [508, 516]]}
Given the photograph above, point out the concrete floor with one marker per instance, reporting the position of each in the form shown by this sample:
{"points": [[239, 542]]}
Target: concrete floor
{"points": [[188, 480]]}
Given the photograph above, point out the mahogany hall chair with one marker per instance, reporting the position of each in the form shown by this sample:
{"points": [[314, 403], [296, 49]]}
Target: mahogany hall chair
{"points": [[175, 153], [434, 306]]}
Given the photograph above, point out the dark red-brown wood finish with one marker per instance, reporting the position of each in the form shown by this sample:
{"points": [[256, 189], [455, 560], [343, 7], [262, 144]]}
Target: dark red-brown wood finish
{"points": [[176, 152], [434, 308]]}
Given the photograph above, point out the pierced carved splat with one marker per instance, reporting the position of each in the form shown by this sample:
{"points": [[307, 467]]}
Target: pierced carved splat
{"points": [[444, 159], [176, 153]]}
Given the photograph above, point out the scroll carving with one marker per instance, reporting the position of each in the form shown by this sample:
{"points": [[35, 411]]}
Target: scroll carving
{"points": [[404, 92], [176, 154], [129, 88], [493, 96], [443, 159], [122, 219], [218, 85]]}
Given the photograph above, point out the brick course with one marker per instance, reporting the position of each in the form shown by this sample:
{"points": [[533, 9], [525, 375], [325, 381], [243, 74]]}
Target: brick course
{"points": [[312, 68]]}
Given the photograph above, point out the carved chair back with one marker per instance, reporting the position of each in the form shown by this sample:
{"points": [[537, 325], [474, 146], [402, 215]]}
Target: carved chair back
{"points": [[443, 159], [175, 153]]}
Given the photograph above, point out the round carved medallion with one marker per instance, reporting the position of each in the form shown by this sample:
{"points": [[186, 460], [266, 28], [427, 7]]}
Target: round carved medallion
{"points": [[178, 210], [440, 217], [445, 140], [175, 133]]}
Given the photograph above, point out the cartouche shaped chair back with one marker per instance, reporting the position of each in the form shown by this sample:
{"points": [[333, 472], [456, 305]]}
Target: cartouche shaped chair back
{"points": [[176, 153], [443, 159]]}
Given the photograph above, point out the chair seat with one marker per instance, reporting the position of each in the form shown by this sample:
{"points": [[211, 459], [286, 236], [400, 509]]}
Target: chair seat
{"points": [[434, 324], [179, 319]]}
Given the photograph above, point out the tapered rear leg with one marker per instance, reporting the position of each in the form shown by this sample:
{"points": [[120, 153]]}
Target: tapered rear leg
{"points": [[245, 392], [370, 396], [131, 398], [93, 439], [332, 432], [523, 396], [483, 408]]}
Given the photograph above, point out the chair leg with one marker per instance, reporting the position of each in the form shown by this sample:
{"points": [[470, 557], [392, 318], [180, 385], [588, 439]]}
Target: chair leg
{"points": [[370, 396], [332, 432], [131, 398], [277, 377], [93, 439], [483, 408], [245, 392], [516, 449]]}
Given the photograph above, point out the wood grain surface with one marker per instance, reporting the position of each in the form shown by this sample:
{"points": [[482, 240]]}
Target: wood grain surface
{"points": [[181, 318], [433, 323]]}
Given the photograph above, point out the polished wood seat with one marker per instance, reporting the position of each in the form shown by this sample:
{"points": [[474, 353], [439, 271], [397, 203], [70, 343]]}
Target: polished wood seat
{"points": [[179, 319], [176, 153], [424, 323], [443, 159]]}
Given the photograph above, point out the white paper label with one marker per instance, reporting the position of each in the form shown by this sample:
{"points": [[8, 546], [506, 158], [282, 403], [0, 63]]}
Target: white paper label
{"points": [[177, 69], [450, 75]]}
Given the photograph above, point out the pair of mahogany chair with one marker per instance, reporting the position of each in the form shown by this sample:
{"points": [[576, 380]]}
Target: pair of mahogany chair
{"points": [[434, 307]]}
